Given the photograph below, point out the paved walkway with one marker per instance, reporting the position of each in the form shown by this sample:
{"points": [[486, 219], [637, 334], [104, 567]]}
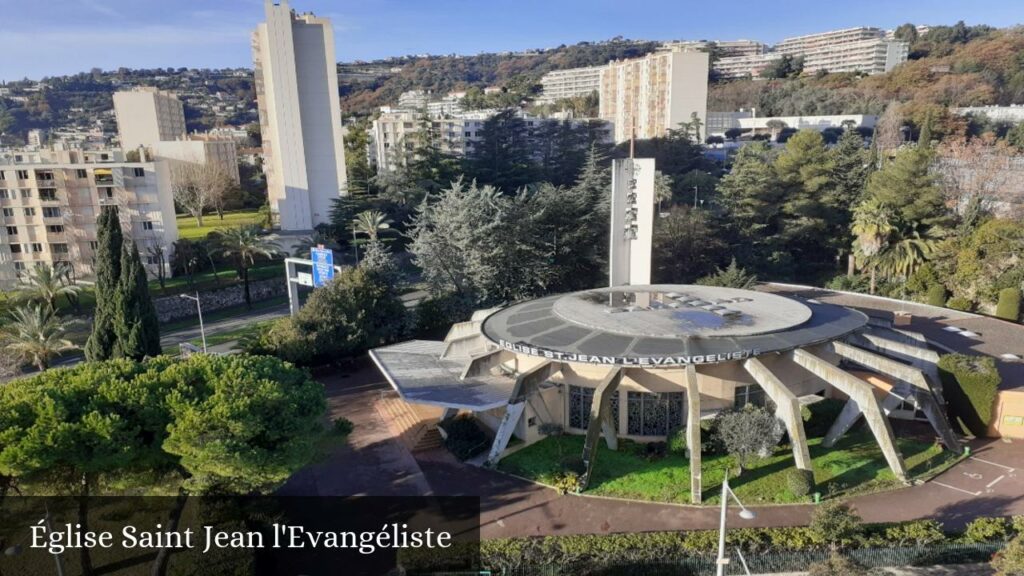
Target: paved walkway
{"points": [[372, 462]]}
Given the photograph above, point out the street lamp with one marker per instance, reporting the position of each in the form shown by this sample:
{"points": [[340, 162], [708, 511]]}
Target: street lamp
{"points": [[745, 513], [199, 308]]}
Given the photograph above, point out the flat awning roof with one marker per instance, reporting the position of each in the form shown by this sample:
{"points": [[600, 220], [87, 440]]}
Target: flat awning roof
{"points": [[417, 372]]}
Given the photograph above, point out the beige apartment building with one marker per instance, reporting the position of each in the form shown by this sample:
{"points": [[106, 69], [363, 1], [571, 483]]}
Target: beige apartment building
{"points": [[201, 149], [50, 199], [571, 83], [147, 115], [645, 97]]}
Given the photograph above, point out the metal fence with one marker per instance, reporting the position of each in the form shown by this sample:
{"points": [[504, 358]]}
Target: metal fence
{"points": [[759, 563]]}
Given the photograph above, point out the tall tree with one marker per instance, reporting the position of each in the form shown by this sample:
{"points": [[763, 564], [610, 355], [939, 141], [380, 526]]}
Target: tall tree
{"points": [[503, 157], [686, 246], [107, 267], [136, 323], [804, 170], [198, 186], [244, 244], [909, 186], [752, 197]]}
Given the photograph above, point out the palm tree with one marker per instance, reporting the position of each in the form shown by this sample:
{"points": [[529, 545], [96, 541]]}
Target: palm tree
{"points": [[244, 244], [47, 283], [35, 335], [304, 246], [370, 222], [873, 223]]}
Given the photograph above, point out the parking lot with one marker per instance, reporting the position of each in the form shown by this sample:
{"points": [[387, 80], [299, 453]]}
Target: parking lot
{"points": [[979, 476]]}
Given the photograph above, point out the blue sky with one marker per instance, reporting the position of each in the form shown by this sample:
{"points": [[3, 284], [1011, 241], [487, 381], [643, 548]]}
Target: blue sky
{"points": [[49, 37]]}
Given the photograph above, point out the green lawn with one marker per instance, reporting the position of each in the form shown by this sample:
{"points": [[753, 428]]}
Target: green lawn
{"points": [[187, 227], [854, 464], [221, 337]]}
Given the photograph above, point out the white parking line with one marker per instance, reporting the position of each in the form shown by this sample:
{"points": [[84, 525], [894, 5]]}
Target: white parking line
{"points": [[1007, 468], [993, 483], [957, 489]]}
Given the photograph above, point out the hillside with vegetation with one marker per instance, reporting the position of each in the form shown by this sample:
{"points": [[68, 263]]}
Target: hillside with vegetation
{"points": [[949, 66]]}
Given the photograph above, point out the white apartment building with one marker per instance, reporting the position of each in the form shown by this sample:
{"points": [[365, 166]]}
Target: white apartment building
{"points": [[1013, 114], [395, 133], [747, 66], [50, 199], [201, 149], [724, 47], [860, 49], [818, 123], [571, 83], [146, 115], [646, 97], [300, 117]]}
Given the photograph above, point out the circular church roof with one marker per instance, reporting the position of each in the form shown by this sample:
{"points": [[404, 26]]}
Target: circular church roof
{"points": [[665, 325]]}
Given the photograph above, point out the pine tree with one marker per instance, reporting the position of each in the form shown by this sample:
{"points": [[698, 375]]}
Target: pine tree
{"points": [[752, 195], [135, 320], [924, 140], [109, 239], [907, 185], [804, 169], [849, 174]]}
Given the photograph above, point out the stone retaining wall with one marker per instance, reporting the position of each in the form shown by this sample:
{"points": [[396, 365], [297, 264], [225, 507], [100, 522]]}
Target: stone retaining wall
{"points": [[171, 308]]}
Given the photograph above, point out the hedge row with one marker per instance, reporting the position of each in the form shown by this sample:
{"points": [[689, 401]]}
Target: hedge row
{"points": [[508, 554], [970, 384]]}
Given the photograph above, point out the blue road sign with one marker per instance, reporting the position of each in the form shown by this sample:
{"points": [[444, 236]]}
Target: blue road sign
{"points": [[323, 266]]}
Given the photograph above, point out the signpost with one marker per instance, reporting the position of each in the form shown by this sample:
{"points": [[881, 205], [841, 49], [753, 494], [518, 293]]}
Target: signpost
{"points": [[323, 265]]}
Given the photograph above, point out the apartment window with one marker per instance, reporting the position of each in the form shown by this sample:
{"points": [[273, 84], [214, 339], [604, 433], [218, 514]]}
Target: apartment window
{"points": [[12, 230], [81, 174], [469, 134], [6, 194], [48, 194], [15, 248], [138, 172], [26, 193], [44, 175], [30, 211], [51, 212], [59, 248], [749, 395], [93, 245], [37, 247], [55, 229], [22, 174], [8, 212], [147, 225], [18, 266]]}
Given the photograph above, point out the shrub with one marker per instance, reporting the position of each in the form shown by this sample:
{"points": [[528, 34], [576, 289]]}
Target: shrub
{"points": [[937, 295], [846, 283], [960, 303], [677, 441], [282, 339], [1009, 304], [837, 565], [915, 533], [568, 482], [655, 450], [1010, 560], [1018, 525], [343, 426], [983, 530], [819, 416], [749, 433], [464, 437], [435, 315], [970, 384], [836, 524], [800, 482]]}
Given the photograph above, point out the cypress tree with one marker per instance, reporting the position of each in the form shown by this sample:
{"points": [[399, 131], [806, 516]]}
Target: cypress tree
{"points": [[925, 138], [109, 239], [135, 320]]}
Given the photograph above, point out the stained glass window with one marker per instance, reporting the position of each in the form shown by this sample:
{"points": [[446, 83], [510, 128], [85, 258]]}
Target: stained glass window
{"points": [[580, 401], [654, 414]]}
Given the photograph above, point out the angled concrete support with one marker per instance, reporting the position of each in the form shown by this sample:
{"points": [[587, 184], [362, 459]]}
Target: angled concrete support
{"points": [[600, 411], [481, 364], [787, 409], [863, 394], [693, 442], [525, 383], [910, 380], [899, 348], [467, 346], [449, 413], [842, 424], [513, 412]]}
